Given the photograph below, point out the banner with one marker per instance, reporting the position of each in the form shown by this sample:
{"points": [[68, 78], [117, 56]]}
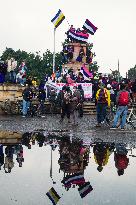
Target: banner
{"points": [[87, 87]]}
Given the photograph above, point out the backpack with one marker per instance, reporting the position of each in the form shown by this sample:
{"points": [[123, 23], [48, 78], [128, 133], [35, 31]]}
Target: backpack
{"points": [[102, 96], [122, 161], [123, 98]]}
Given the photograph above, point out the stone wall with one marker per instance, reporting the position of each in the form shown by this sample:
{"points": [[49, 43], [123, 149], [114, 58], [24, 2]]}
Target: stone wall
{"points": [[10, 92]]}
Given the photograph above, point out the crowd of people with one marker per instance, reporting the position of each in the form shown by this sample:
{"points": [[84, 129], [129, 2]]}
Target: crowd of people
{"points": [[7, 156], [74, 153], [11, 72], [116, 94], [106, 93]]}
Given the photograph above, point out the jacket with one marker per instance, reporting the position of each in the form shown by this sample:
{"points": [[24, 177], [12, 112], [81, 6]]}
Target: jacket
{"points": [[107, 96]]}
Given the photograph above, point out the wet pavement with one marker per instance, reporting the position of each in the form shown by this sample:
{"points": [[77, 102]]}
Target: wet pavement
{"points": [[82, 165]]}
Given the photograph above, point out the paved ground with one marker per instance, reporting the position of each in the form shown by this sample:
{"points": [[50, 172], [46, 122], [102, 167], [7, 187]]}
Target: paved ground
{"points": [[51, 123]]}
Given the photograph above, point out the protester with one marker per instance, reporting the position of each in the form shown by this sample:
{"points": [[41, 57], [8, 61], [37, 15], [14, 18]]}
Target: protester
{"points": [[121, 159], [101, 155], [75, 104], [9, 164], [66, 95], [123, 99], [27, 96], [102, 101], [81, 55], [134, 91], [1, 156], [11, 70], [80, 107], [3, 71], [41, 98], [21, 76]]}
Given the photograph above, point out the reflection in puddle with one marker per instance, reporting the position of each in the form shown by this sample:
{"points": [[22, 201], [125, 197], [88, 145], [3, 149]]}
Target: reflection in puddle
{"points": [[69, 164]]}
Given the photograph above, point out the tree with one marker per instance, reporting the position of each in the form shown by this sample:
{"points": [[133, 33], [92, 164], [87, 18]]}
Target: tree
{"points": [[37, 65], [132, 73], [7, 54], [94, 66]]}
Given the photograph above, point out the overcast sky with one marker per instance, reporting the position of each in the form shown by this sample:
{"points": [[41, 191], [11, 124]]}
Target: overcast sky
{"points": [[26, 25]]}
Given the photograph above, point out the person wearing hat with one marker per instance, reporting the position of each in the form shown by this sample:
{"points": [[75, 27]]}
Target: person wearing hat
{"points": [[102, 101]]}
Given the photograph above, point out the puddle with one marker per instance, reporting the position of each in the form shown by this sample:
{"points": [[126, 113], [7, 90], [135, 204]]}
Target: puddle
{"points": [[39, 167]]}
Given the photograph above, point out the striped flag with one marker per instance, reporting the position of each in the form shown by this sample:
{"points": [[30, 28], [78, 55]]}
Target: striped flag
{"points": [[77, 178], [53, 196], [57, 20], [85, 189], [89, 27], [86, 74], [78, 36]]}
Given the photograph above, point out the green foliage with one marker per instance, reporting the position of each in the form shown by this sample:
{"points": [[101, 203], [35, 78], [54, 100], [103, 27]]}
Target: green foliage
{"points": [[94, 66], [132, 73], [37, 65]]}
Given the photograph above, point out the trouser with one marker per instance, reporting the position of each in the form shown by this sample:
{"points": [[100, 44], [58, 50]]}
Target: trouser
{"points": [[26, 105], [42, 106], [75, 116], [65, 110], [81, 110], [101, 112], [12, 76], [121, 111]]}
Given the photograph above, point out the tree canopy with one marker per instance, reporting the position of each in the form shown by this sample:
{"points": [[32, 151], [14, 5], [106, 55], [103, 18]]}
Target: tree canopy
{"points": [[38, 64], [132, 73]]}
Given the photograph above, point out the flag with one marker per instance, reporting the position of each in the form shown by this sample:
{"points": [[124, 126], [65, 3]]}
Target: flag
{"points": [[57, 20], [53, 196], [86, 74], [79, 36], [77, 178], [85, 189], [89, 27]]}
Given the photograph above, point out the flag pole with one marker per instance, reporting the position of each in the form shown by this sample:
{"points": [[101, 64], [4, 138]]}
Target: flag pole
{"points": [[68, 22], [54, 51], [51, 165], [118, 71]]}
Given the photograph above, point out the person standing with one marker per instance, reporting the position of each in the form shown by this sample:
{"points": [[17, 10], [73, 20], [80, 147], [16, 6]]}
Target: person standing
{"points": [[121, 159], [1, 156], [27, 96], [134, 91], [81, 100], [75, 104], [12, 64], [123, 99], [102, 101], [65, 98], [41, 98]]}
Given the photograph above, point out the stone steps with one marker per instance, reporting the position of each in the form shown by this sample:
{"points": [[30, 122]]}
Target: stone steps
{"points": [[89, 108]]}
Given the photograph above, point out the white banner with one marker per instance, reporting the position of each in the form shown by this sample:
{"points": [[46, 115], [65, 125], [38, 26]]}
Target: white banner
{"points": [[87, 87]]}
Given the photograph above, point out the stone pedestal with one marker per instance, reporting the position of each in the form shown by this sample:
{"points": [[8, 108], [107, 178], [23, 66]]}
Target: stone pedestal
{"points": [[73, 64], [11, 92]]}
